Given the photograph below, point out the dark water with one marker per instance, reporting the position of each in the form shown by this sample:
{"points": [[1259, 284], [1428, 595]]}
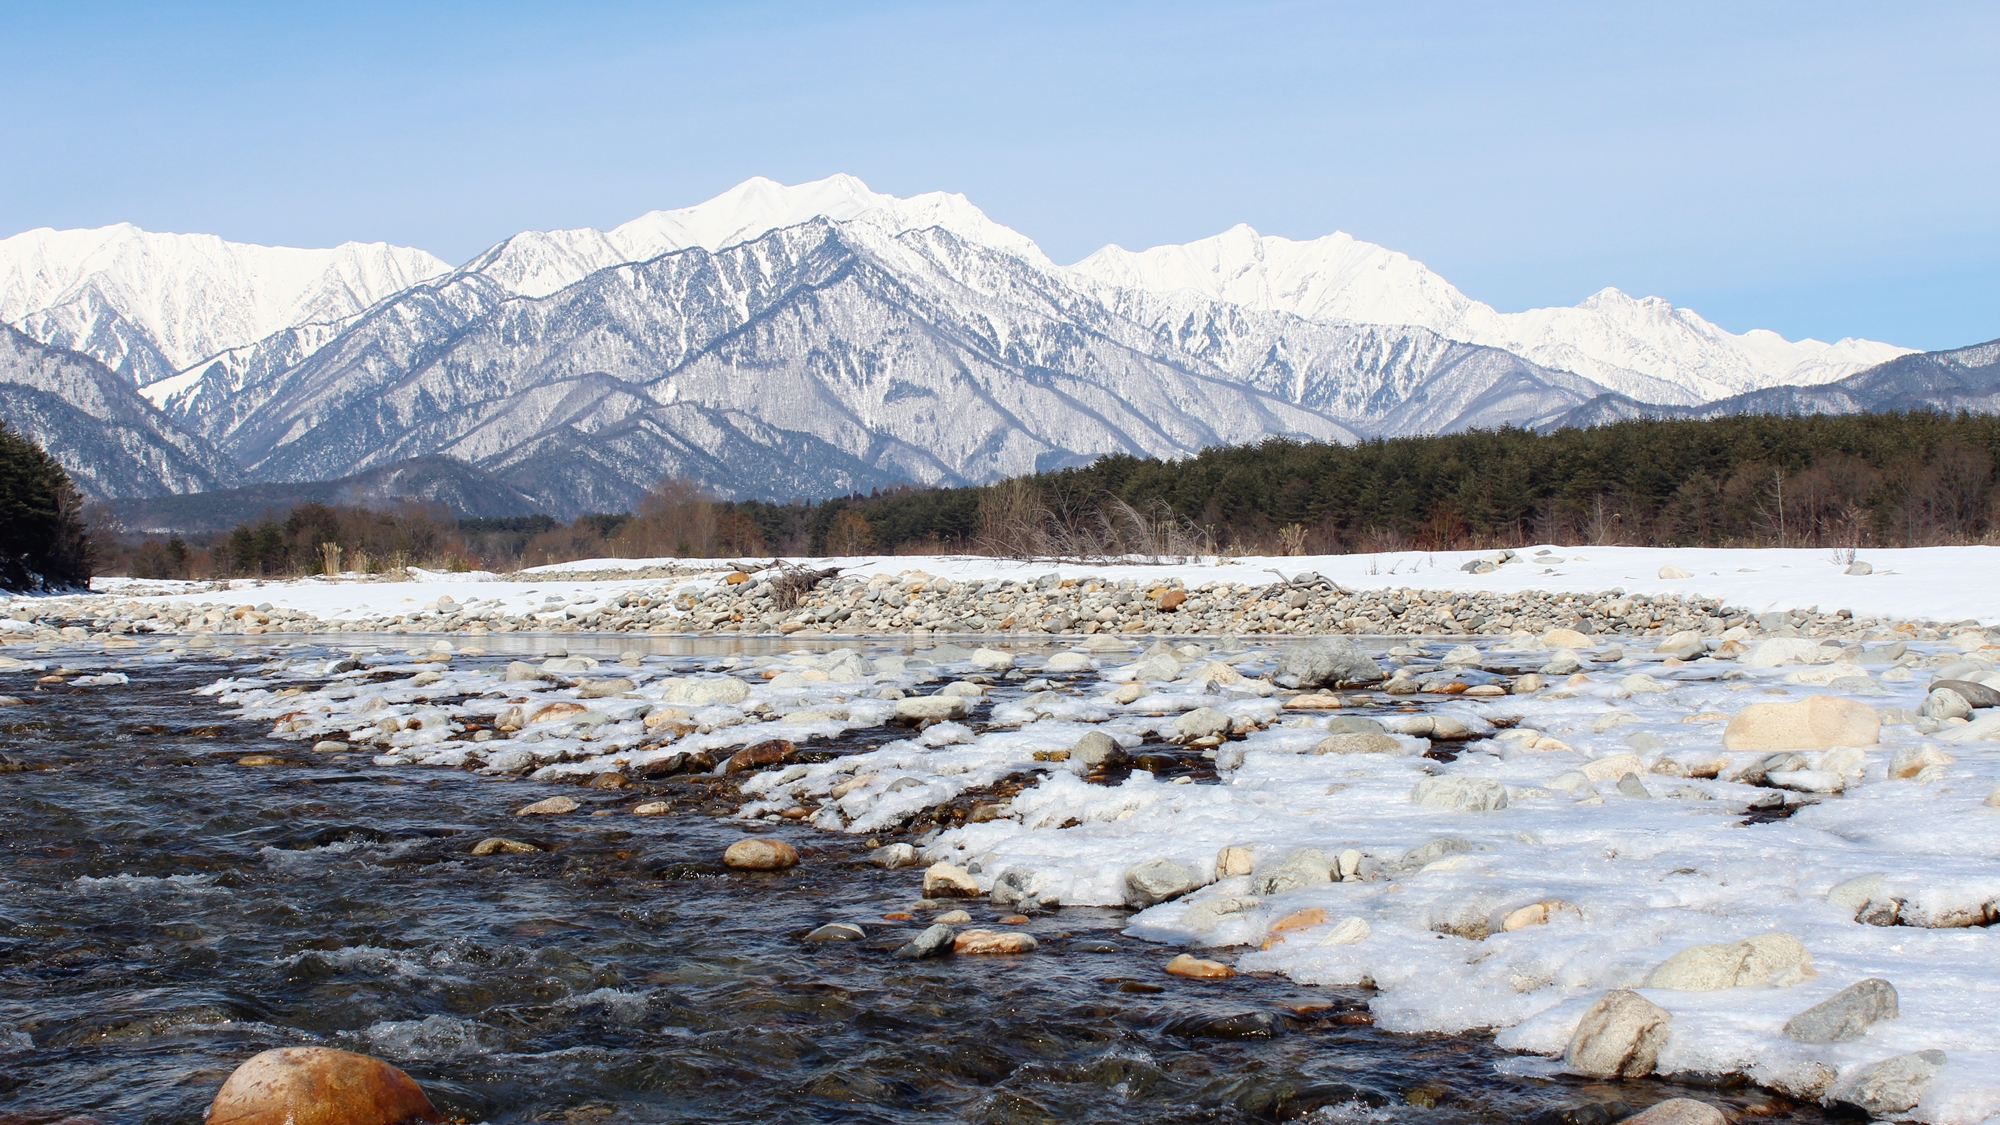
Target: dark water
{"points": [[166, 912]]}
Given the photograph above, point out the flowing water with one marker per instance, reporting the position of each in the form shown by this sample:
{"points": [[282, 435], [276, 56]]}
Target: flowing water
{"points": [[166, 912]]}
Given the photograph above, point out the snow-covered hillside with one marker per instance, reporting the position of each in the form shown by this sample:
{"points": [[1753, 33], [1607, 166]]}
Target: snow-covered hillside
{"points": [[1608, 338], [149, 305]]}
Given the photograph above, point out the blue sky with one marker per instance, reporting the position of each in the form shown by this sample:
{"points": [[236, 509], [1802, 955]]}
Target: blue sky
{"points": [[1818, 169]]}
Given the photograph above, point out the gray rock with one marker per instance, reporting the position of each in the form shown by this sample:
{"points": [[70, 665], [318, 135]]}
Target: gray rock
{"points": [[1462, 794], [1563, 664], [705, 690], [1619, 1037], [1431, 852], [1326, 660], [837, 931], [1860, 568], [601, 689], [933, 707], [1894, 1085], [1353, 724], [1631, 786], [1302, 868], [1156, 881], [892, 856], [1944, 703], [1096, 749], [933, 941], [1975, 694], [1846, 1015], [1679, 1111], [1202, 722]]}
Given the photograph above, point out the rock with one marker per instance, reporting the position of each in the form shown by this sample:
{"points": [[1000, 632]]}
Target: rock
{"points": [[652, 808], [1128, 693], [330, 746], [1847, 1014], [1161, 667], [1348, 931], [259, 760], [1619, 1037], [1202, 722], [1945, 703], [1326, 661], [1631, 786], [1506, 921], [1983, 729], [1298, 920], [549, 806], [1232, 860], [938, 707], [1855, 893], [1910, 761], [992, 941], [1067, 662], [1096, 749], [1461, 656], [702, 691], [934, 940], [1820, 722], [1679, 1111], [1353, 724], [758, 854], [519, 671], [1613, 766], [1859, 568], [992, 659], [1463, 794], [762, 755], [1775, 651], [603, 689], [562, 709], [1196, 968], [1527, 684], [1671, 572], [501, 845], [1347, 865], [1565, 638], [1358, 743], [318, 1086], [1172, 598], [892, 856], [948, 880], [1302, 868], [1155, 881], [837, 931], [1774, 958], [1973, 692], [1892, 1086]]}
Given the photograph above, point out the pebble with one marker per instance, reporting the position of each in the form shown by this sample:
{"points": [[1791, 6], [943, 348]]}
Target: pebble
{"points": [[318, 1086], [760, 854], [1196, 968], [548, 806]]}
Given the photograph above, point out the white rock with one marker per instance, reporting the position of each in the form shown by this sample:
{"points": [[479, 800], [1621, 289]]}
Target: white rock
{"points": [[1464, 794], [1347, 931], [705, 690], [992, 659], [1619, 1037], [1670, 571], [1773, 958]]}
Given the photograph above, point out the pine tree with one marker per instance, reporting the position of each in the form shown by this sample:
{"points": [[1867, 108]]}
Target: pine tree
{"points": [[44, 544]]}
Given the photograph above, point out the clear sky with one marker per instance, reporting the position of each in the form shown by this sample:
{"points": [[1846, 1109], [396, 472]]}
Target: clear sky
{"points": [[1820, 169]]}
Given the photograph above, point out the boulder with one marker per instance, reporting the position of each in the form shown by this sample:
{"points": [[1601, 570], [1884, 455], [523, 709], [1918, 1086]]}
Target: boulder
{"points": [[762, 755], [1463, 794], [1892, 1086], [1565, 639], [1096, 749], [1326, 661], [889, 857], [758, 854], [1847, 1014], [1232, 859], [702, 691], [501, 845], [1821, 722], [1772, 652], [1945, 703], [602, 689], [1202, 722], [1067, 662], [1775, 958], [934, 940], [1679, 1111], [992, 941], [1348, 931], [1302, 868], [948, 880], [1672, 572], [992, 659], [917, 708], [1619, 1037], [1361, 742], [1972, 691], [1156, 881], [318, 1086], [1910, 761], [548, 806], [1188, 965]]}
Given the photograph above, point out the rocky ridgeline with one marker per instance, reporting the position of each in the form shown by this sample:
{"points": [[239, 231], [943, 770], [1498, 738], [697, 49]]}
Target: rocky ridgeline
{"points": [[920, 604]]}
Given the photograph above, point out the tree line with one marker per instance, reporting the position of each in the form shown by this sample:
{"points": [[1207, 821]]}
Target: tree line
{"points": [[1852, 481]]}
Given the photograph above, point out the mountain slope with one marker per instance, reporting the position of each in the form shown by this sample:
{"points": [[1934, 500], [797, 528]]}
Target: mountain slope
{"points": [[149, 305], [113, 442], [468, 492], [1643, 348]]}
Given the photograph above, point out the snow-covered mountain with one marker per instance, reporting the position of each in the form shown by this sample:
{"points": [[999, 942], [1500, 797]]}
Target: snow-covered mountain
{"points": [[150, 305], [1643, 348], [781, 341]]}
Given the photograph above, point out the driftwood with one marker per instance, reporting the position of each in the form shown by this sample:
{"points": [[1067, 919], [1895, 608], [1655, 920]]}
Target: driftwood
{"points": [[794, 582]]}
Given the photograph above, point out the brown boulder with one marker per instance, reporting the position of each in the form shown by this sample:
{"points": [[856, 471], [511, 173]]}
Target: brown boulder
{"points": [[775, 752], [318, 1086], [757, 854]]}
